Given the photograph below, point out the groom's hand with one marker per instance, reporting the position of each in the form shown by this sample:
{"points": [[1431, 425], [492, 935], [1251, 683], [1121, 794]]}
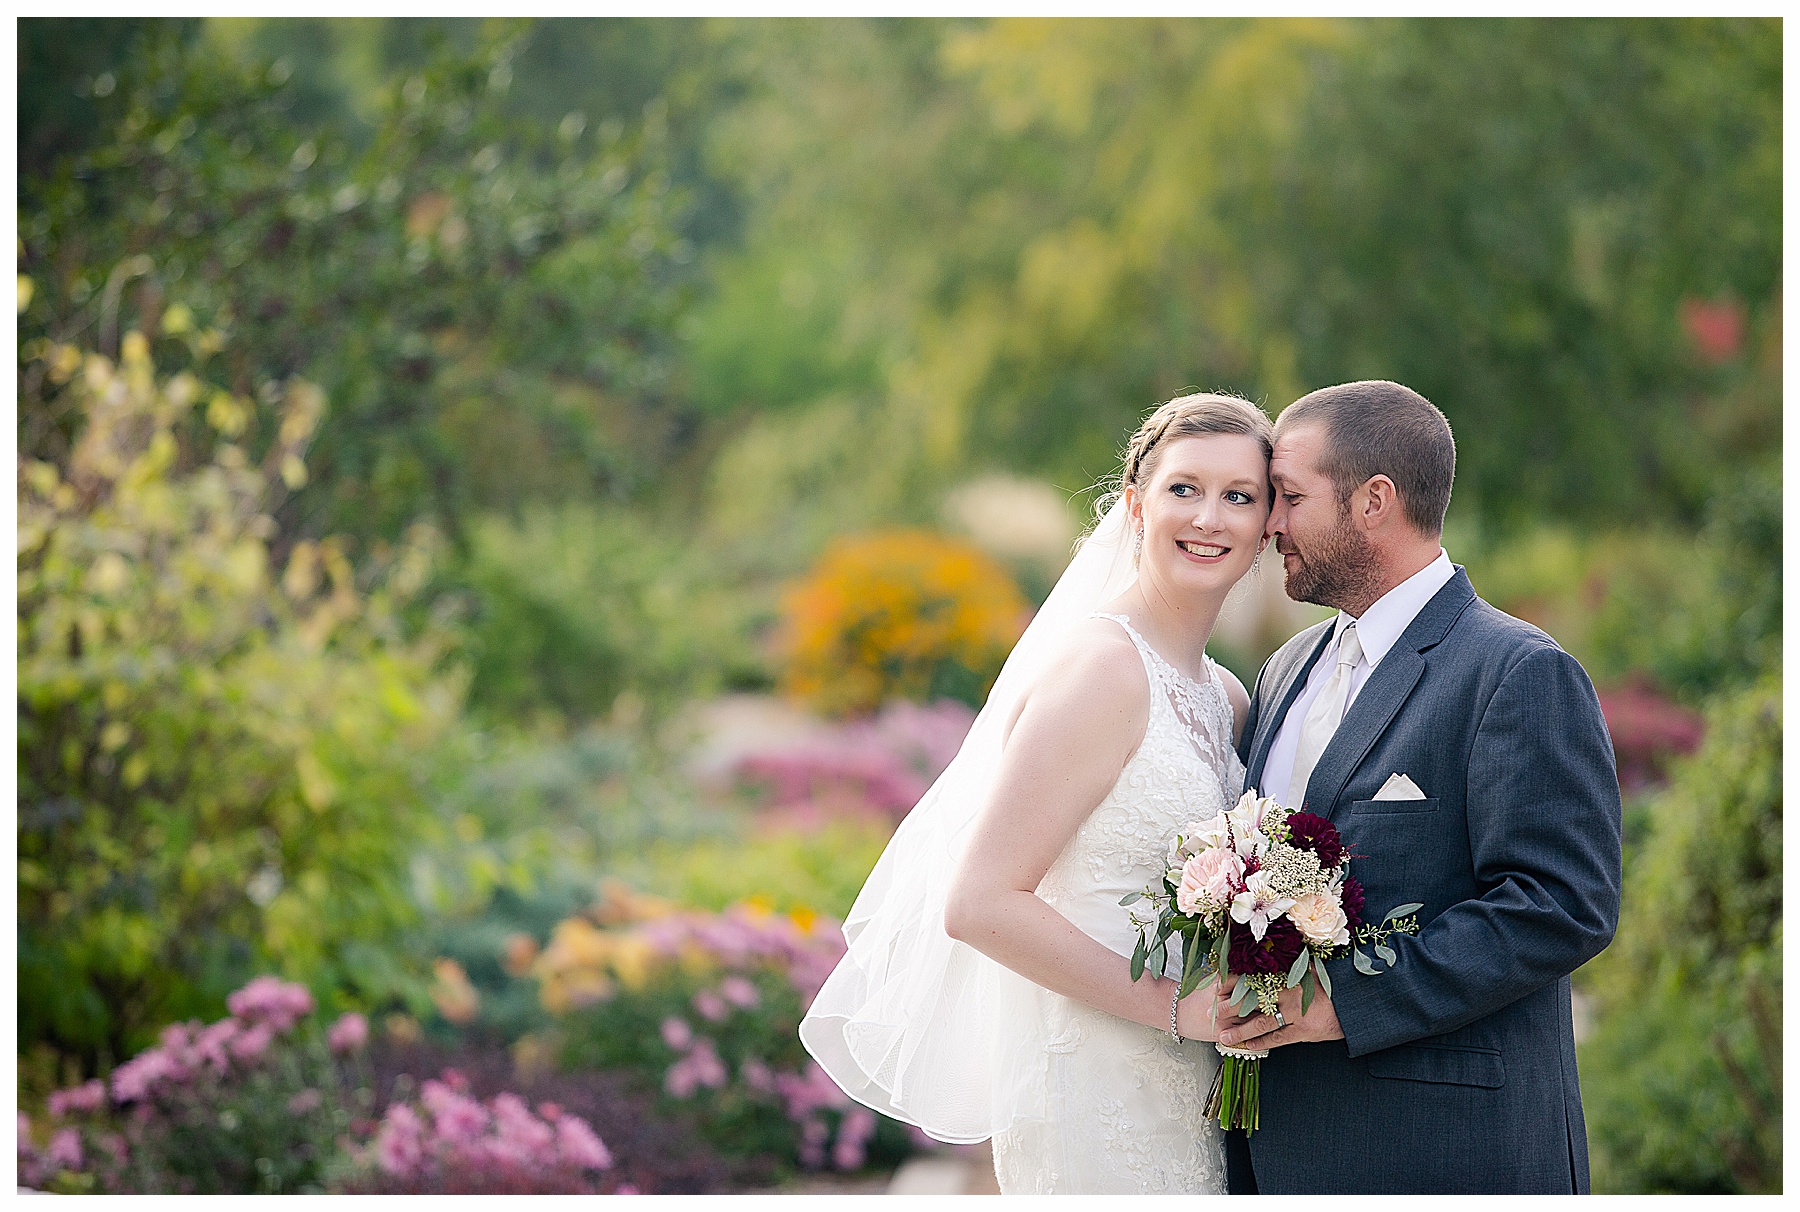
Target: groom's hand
{"points": [[1263, 1031]]}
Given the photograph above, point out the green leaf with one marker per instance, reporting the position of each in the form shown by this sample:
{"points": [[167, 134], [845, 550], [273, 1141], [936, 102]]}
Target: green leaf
{"points": [[1308, 984], [1362, 963], [1191, 968], [1159, 957], [1324, 978], [1387, 953], [1138, 955], [1300, 966], [1131, 898], [1401, 911]]}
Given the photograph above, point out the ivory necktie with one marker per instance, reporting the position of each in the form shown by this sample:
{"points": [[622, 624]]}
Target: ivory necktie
{"points": [[1323, 716]]}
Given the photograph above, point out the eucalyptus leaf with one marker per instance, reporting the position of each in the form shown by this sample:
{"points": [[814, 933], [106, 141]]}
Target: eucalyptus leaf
{"points": [[1300, 966], [1308, 984], [1138, 955], [1362, 962], [1324, 978], [1159, 958], [1387, 953], [1401, 911], [1131, 898]]}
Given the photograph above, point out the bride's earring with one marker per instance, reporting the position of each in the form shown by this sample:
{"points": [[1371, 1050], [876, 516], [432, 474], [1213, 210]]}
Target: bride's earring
{"points": [[1256, 560], [1137, 544]]}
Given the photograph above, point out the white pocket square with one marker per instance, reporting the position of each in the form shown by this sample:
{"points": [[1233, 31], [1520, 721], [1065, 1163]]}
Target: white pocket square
{"points": [[1399, 787]]}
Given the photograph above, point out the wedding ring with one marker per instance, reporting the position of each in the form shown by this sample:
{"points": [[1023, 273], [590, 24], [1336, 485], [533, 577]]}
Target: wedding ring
{"points": [[1280, 1022]]}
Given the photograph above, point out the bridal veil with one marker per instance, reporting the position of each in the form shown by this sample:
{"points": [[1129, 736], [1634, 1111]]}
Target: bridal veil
{"points": [[912, 1023]]}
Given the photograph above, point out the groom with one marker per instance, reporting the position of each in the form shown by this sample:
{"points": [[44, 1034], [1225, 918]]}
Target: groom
{"points": [[1463, 757]]}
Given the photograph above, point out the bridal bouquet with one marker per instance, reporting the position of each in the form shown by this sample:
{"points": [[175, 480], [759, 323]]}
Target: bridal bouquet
{"points": [[1263, 894]]}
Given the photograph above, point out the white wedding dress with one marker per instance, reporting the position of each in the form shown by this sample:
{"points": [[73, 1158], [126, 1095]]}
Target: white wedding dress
{"points": [[1124, 1103], [930, 1031]]}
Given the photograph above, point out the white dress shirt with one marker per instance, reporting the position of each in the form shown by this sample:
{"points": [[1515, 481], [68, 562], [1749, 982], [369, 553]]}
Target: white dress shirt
{"points": [[1378, 629]]}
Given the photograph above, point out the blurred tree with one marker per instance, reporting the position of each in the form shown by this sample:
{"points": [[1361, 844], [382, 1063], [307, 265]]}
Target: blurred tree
{"points": [[221, 756], [487, 303], [1026, 232], [70, 70]]}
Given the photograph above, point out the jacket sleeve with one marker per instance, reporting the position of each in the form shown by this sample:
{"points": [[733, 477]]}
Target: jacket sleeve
{"points": [[1544, 824]]}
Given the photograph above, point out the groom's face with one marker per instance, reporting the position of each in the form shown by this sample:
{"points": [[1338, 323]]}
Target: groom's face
{"points": [[1328, 561]]}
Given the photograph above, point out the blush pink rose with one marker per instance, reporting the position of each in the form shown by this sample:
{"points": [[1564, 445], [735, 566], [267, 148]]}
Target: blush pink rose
{"points": [[1208, 879], [1321, 919]]}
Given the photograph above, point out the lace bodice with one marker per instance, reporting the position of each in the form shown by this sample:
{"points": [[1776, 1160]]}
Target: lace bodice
{"points": [[1186, 769]]}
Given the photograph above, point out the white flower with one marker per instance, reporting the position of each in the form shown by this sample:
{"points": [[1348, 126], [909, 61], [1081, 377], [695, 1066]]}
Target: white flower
{"points": [[1257, 905]]}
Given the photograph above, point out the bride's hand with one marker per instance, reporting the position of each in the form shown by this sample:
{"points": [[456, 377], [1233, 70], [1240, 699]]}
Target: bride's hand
{"points": [[1197, 1017]]}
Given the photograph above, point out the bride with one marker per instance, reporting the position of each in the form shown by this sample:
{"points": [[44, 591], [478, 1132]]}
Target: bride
{"points": [[987, 988]]}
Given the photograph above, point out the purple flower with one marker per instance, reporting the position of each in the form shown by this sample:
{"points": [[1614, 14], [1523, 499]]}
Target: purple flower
{"points": [[210, 1044], [1275, 952], [348, 1034], [519, 1136], [739, 992], [1353, 903], [579, 1145], [138, 1077], [400, 1144], [269, 999], [709, 1070], [681, 1081], [305, 1101], [1315, 833], [65, 1149], [757, 1076], [456, 1118], [251, 1044], [676, 1033], [88, 1096], [711, 1006]]}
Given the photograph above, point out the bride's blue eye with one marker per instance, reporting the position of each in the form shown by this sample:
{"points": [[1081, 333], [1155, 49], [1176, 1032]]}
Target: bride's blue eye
{"points": [[1240, 497], [1181, 490]]}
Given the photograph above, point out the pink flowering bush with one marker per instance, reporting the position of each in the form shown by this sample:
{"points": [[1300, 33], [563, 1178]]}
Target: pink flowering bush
{"points": [[874, 767], [450, 1142], [706, 1015], [255, 1102]]}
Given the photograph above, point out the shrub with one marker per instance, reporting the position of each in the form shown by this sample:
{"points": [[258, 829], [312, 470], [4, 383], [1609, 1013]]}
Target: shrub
{"points": [[220, 751], [575, 606], [1683, 1071], [877, 767], [898, 614], [447, 1142], [254, 1102], [705, 1008]]}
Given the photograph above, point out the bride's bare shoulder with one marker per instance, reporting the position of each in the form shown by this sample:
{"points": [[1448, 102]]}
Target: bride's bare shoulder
{"points": [[1095, 679]]}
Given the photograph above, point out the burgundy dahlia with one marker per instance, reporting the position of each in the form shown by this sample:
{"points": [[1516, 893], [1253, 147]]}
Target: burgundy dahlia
{"points": [[1315, 833], [1353, 903], [1276, 952]]}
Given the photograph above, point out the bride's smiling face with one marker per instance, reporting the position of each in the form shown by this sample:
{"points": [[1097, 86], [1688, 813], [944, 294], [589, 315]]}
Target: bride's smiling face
{"points": [[1201, 511]]}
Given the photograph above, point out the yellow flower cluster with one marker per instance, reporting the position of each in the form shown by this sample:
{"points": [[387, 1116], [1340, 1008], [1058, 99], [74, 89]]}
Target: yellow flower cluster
{"points": [[898, 614], [591, 957]]}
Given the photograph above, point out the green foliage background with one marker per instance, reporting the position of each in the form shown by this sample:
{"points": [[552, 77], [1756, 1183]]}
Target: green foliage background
{"points": [[614, 324]]}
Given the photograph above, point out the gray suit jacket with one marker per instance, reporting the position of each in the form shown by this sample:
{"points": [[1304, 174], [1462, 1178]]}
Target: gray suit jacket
{"points": [[1457, 1070]]}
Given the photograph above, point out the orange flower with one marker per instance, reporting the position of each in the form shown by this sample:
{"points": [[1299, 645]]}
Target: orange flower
{"points": [[898, 614]]}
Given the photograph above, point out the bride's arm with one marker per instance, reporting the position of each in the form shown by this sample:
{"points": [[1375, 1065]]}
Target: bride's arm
{"points": [[1072, 737]]}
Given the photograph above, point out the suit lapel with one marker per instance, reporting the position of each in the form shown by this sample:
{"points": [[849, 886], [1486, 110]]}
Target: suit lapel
{"points": [[1269, 723], [1383, 694]]}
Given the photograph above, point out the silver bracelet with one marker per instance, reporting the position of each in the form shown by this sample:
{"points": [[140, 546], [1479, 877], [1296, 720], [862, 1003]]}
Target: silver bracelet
{"points": [[1174, 1005]]}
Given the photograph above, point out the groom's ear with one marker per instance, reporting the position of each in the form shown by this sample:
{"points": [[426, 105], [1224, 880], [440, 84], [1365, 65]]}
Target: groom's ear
{"points": [[1377, 503]]}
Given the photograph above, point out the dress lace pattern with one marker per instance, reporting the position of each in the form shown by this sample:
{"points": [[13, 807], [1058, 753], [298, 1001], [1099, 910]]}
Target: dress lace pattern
{"points": [[1124, 1103]]}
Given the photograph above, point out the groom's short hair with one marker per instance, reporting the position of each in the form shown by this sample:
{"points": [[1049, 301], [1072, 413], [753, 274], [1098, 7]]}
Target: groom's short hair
{"points": [[1375, 427]]}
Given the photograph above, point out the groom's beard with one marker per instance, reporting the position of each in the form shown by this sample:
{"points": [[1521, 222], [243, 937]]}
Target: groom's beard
{"points": [[1338, 569]]}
